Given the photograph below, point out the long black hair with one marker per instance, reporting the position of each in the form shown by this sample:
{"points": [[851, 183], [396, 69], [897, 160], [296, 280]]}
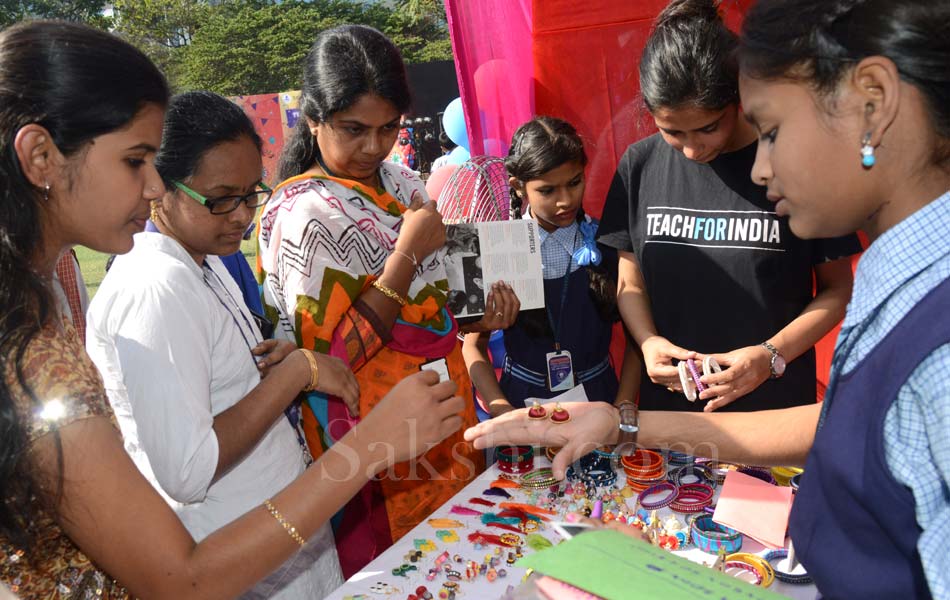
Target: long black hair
{"points": [[537, 147], [689, 59], [196, 122], [343, 64], [818, 41], [78, 83]]}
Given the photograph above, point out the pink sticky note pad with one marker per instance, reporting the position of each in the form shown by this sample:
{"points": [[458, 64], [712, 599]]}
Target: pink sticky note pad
{"points": [[758, 509]]}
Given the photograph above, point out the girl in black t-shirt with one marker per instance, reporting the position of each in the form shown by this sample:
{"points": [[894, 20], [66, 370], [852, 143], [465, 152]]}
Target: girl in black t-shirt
{"points": [[706, 266], [568, 340]]}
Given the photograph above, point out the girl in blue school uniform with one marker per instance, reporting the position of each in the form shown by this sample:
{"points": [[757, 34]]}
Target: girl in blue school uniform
{"points": [[567, 343]]}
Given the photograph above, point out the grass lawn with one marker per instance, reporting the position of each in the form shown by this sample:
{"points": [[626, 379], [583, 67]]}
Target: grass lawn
{"points": [[94, 264]]}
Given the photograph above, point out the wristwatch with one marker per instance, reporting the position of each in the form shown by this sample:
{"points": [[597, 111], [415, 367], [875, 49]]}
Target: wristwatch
{"points": [[629, 428], [777, 364]]}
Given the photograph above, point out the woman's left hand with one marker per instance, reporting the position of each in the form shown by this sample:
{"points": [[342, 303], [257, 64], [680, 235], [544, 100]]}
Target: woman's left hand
{"points": [[501, 309], [743, 370], [271, 353]]}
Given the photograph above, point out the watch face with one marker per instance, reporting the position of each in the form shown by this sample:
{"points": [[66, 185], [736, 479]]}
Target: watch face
{"points": [[778, 365]]}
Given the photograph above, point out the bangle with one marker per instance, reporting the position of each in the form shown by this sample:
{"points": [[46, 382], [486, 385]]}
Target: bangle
{"points": [[701, 473], [412, 259], [389, 293], [663, 502], [290, 529], [692, 498], [745, 568], [759, 473], [514, 454], [515, 468], [766, 572], [709, 536], [783, 576], [314, 370]]}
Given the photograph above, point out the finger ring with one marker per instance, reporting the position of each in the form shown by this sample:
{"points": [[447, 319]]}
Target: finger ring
{"points": [[499, 314]]}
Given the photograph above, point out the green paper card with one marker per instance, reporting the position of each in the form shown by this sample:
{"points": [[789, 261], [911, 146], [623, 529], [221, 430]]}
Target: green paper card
{"points": [[618, 567]]}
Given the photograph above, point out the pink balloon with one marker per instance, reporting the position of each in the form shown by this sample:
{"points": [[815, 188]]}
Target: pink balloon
{"points": [[438, 179]]}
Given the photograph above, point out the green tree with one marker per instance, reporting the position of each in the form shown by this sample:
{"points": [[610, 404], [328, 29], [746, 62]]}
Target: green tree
{"points": [[84, 11]]}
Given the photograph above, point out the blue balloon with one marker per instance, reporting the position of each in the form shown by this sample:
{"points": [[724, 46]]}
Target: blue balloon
{"points": [[458, 155], [453, 121]]}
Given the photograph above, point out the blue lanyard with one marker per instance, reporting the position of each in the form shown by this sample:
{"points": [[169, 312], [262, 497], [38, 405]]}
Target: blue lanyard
{"points": [[564, 286], [251, 328]]}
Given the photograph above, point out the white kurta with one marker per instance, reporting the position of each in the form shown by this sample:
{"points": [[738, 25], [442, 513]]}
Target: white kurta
{"points": [[172, 340]]}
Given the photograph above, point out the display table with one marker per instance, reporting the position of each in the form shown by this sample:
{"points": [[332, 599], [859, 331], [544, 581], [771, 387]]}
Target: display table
{"points": [[376, 580]]}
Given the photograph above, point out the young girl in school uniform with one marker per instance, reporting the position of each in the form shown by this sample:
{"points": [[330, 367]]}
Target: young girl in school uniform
{"points": [[566, 344]]}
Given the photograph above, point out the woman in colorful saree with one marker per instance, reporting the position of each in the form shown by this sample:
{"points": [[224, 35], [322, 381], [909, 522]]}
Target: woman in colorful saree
{"points": [[349, 267]]}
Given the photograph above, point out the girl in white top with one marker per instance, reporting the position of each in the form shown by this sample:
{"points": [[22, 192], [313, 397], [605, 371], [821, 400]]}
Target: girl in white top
{"points": [[199, 395]]}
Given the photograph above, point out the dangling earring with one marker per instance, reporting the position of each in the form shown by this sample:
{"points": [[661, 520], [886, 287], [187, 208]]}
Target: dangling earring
{"points": [[153, 213], [867, 152], [537, 411], [560, 415], [46, 192]]}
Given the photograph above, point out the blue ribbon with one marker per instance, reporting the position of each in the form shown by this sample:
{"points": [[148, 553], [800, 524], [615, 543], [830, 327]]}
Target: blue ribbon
{"points": [[588, 253]]}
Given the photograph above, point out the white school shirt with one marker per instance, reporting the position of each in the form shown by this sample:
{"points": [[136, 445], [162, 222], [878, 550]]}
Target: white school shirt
{"points": [[172, 341]]}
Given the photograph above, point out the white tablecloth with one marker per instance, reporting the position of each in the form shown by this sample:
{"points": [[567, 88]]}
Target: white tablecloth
{"points": [[380, 570]]}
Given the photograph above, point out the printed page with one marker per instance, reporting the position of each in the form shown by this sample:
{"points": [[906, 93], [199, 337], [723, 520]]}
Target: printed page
{"points": [[479, 254]]}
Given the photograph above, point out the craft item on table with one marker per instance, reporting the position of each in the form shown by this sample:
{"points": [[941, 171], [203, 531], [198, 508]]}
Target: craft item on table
{"points": [[381, 587], [356, 597], [754, 507], [503, 483], [527, 508], [496, 518], [598, 510], [611, 564], [766, 572], [679, 458], [560, 414], [496, 492], [537, 412], [414, 556], [538, 479], [505, 539], [692, 498], [759, 473], [464, 510], [783, 475], [537, 542], [514, 460], [551, 453], [721, 468], [743, 572], [510, 528], [403, 570], [666, 492], [442, 558], [424, 545], [794, 482], [709, 536], [481, 501], [692, 473], [423, 593], [444, 523], [447, 536], [643, 468], [795, 576]]}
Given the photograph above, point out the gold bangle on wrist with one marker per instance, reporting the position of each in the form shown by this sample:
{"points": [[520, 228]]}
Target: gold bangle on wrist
{"points": [[290, 529], [314, 370], [389, 293]]}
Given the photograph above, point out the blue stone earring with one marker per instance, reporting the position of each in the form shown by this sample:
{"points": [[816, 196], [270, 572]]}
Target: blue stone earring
{"points": [[867, 152]]}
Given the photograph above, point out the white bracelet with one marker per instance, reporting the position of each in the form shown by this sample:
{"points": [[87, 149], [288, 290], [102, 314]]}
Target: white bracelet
{"points": [[411, 259]]}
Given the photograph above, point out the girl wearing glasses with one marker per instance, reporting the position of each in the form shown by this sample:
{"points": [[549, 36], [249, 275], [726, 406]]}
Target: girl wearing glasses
{"points": [[77, 518], [347, 247]]}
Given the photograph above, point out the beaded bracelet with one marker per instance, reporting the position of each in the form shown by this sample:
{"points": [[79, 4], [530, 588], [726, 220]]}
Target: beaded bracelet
{"points": [[709, 536], [692, 498], [290, 529], [793, 578], [657, 489], [766, 572], [745, 568]]}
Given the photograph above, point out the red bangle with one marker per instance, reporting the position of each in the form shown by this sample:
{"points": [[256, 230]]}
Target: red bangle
{"points": [[515, 468], [514, 454]]}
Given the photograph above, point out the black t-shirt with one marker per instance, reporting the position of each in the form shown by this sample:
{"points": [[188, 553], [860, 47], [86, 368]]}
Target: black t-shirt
{"points": [[722, 270]]}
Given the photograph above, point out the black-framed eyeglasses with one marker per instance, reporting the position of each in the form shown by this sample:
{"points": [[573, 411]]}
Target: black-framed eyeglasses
{"points": [[224, 204]]}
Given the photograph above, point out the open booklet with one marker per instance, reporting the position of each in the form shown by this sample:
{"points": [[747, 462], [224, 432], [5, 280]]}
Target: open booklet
{"points": [[476, 255]]}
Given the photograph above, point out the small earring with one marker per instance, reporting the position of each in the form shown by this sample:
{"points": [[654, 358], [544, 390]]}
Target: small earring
{"points": [[537, 411], [560, 415], [153, 213], [46, 192], [867, 152]]}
